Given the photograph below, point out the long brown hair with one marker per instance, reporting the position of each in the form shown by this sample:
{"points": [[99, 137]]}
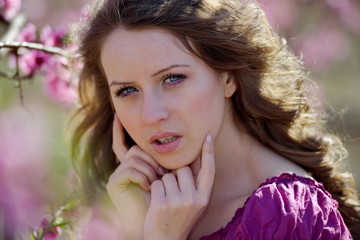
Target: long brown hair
{"points": [[229, 35]]}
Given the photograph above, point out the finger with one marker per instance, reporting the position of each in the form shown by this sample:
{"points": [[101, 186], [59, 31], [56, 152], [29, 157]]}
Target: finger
{"points": [[144, 168], [170, 184], [139, 178], [195, 167], [130, 175], [136, 151], [119, 145], [206, 175], [157, 190], [185, 179], [138, 163]]}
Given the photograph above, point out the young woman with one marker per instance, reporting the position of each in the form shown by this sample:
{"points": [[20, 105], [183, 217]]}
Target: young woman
{"points": [[197, 120]]}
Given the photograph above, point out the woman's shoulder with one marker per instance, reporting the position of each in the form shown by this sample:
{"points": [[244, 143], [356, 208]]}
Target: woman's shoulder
{"points": [[287, 207], [292, 187], [293, 194]]}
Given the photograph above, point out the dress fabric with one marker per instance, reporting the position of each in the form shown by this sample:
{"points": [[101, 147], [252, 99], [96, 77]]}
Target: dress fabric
{"points": [[286, 207]]}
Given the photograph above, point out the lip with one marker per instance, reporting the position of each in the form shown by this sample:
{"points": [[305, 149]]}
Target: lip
{"points": [[163, 135], [166, 147]]}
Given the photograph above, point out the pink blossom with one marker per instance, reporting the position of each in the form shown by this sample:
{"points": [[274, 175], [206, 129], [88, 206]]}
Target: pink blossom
{"points": [[27, 34], [9, 9], [58, 84], [50, 232], [52, 37], [55, 232], [85, 12], [322, 47], [44, 222], [32, 61], [73, 50], [280, 13], [43, 225]]}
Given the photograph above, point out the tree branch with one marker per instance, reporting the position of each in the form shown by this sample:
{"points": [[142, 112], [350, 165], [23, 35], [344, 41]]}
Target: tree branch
{"points": [[18, 77], [33, 46]]}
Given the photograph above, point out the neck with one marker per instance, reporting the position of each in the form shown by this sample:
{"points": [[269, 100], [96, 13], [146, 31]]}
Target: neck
{"points": [[234, 149], [242, 162]]}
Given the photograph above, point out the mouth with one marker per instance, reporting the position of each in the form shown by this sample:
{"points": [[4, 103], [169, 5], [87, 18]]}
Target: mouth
{"points": [[166, 140], [166, 143]]}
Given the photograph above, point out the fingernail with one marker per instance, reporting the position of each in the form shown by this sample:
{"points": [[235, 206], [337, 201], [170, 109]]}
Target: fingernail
{"points": [[208, 138]]}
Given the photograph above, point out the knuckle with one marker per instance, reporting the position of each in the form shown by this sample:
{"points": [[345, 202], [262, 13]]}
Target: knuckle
{"points": [[136, 177], [185, 169], [129, 171], [123, 158], [136, 160], [126, 163], [167, 176], [156, 183], [132, 161], [188, 201], [163, 205], [176, 202], [143, 178]]}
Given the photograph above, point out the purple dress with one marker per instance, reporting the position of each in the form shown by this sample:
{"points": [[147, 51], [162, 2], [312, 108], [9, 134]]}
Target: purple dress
{"points": [[286, 207]]}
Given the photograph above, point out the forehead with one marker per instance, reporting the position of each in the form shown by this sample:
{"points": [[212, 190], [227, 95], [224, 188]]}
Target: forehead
{"points": [[142, 46], [128, 38]]}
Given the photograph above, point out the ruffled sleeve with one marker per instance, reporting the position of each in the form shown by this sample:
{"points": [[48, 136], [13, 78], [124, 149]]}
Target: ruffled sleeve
{"points": [[286, 207]]}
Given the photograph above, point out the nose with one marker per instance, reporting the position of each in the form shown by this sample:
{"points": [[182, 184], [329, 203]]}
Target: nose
{"points": [[155, 109]]}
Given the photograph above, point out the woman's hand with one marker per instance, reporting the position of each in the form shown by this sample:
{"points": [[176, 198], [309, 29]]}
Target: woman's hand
{"points": [[129, 185], [178, 200]]}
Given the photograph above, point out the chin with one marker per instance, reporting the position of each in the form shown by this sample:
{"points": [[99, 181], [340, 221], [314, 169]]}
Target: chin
{"points": [[173, 163]]}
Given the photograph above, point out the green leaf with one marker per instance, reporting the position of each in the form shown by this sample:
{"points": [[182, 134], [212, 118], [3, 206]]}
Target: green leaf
{"points": [[57, 221], [61, 224], [71, 204], [66, 207], [34, 234], [40, 234]]}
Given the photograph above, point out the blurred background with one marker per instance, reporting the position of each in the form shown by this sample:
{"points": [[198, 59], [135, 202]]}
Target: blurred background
{"points": [[36, 174]]}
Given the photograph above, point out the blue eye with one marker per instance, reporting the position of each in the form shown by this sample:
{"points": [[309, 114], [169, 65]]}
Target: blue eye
{"points": [[125, 91], [173, 79]]}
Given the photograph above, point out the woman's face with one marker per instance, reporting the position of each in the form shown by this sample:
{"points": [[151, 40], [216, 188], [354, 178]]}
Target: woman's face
{"points": [[166, 99]]}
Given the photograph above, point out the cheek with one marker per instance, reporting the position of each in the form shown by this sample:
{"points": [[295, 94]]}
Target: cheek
{"points": [[128, 120], [207, 108]]}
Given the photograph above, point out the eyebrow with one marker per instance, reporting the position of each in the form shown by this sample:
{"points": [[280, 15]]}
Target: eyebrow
{"points": [[168, 68], [114, 82]]}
